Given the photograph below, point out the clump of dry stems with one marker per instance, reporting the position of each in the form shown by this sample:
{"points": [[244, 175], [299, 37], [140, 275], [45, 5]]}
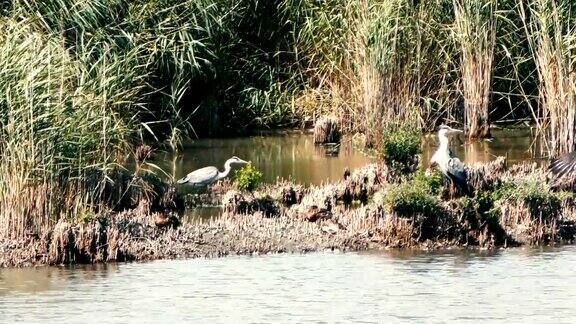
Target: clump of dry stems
{"points": [[475, 29]]}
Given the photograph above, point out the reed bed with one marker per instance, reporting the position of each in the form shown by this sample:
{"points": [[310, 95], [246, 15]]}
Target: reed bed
{"points": [[226, 66], [58, 122], [549, 28], [370, 63], [380, 64], [83, 82], [475, 29]]}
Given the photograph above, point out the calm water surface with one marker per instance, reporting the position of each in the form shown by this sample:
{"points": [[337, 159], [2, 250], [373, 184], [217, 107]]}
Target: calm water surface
{"points": [[514, 286], [294, 155], [516, 144], [287, 156]]}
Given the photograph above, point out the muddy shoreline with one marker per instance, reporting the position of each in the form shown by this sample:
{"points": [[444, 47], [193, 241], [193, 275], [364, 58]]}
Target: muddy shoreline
{"points": [[348, 215]]}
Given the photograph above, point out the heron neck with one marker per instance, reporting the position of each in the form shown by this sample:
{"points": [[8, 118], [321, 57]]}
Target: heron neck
{"points": [[443, 142], [227, 168]]}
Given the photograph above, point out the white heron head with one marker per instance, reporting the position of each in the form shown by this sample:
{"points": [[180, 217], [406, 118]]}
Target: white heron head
{"points": [[236, 160], [447, 130]]}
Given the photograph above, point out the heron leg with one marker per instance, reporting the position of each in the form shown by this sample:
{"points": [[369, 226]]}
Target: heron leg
{"points": [[451, 190]]}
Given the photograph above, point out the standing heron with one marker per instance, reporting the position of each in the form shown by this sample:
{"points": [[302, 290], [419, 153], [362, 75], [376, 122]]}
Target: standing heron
{"points": [[451, 167], [210, 174]]}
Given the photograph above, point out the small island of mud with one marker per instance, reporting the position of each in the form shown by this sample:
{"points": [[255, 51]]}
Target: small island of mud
{"points": [[369, 209]]}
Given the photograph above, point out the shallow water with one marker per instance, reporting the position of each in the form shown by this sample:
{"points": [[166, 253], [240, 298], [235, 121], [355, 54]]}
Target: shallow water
{"points": [[515, 285], [281, 155], [293, 155], [516, 144]]}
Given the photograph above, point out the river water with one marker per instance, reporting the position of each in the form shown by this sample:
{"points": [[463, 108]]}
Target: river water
{"points": [[514, 285]]}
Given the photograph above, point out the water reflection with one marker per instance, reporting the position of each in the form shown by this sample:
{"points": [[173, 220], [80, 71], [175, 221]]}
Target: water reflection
{"points": [[516, 144], [288, 156], [294, 155], [41, 279]]}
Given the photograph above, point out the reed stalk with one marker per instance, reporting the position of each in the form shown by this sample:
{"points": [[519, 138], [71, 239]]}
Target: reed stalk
{"points": [[475, 30], [549, 28]]}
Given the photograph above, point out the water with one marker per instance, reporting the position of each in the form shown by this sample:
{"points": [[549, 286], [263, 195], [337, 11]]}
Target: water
{"points": [[515, 285], [286, 156], [294, 155], [516, 144]]}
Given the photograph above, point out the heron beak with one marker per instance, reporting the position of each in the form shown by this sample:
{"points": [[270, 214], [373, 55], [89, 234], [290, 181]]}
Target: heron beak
{"points": [[242, 161], [456, 130]]}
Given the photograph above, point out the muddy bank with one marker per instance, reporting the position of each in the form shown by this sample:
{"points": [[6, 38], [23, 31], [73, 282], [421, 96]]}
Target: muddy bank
{"points": [[365, 210], [128, 237]]}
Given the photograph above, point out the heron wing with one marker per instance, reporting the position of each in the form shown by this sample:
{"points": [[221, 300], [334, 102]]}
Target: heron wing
{"points": [[456, 170], [201, 176], [563, 164]]}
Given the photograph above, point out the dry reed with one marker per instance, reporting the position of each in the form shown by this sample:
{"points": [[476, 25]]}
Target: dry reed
{"points": [[549, 28], [327, 130], [475, 28]]}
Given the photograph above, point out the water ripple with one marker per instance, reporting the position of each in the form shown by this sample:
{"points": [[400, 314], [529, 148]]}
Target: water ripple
{"points": [[515, 285]]}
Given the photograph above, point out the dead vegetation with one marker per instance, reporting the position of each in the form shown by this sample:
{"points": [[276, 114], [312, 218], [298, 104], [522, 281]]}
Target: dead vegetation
{"points": [[511, 206], [327, 130]]}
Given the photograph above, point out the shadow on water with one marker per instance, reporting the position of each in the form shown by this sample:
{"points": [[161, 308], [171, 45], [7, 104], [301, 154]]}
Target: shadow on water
{"points": [[419, 261], [42, 279], [455, 260]]}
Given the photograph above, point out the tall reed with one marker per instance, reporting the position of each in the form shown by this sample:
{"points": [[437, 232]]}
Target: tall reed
{"points": [[60, 119], [374, 63], [549, 25], [475, 30]]}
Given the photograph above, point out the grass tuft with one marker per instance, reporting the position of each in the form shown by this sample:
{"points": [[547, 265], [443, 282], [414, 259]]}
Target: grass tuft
{"points": [[417, 196], [248, 178]]}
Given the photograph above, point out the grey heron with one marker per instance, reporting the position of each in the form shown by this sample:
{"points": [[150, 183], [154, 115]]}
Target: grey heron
{"points": [[450, 166], [210, 174]]}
